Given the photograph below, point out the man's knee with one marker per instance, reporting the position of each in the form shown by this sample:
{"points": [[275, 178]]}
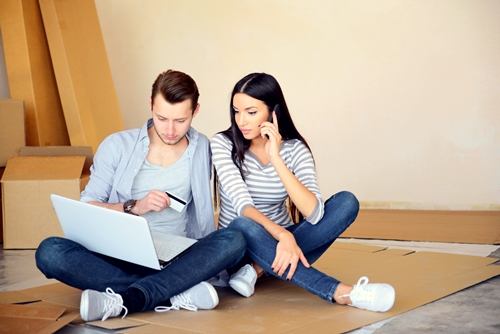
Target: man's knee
{"points": [[48, 253]]}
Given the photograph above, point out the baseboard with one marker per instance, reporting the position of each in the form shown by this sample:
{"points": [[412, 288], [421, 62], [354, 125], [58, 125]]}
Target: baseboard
{"points": [[476, 227]]}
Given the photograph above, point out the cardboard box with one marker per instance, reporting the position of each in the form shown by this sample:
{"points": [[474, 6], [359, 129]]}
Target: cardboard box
{"points": [[30, 72], [281, 307], [12, 129], [28, 181], [82, 71]]}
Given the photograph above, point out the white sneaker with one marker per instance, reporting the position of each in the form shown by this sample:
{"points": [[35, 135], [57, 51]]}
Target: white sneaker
{"points": [[101, 305], [243, 281], [201, 296], [376, 297]]}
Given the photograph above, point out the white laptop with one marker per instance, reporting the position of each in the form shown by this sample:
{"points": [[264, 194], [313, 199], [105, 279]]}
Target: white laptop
{"points": [[116, 234]]}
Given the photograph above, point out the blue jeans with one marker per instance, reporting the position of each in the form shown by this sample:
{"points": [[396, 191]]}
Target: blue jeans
{"points": [[75, 265], [340, 211]]}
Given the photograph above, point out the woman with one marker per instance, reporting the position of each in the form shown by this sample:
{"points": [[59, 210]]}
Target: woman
{"points": [[268, 190]]}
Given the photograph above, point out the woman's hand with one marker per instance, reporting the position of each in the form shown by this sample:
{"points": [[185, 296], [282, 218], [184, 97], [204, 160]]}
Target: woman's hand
{"points": [[288, 253], [271, 132]]}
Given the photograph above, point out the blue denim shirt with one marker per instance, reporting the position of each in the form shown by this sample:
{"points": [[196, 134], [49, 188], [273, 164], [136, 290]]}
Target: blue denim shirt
{"points": [[121, 155]]}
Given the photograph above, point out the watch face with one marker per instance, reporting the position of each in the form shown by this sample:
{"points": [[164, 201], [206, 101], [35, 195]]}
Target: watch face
{"points": [[128, 205]]}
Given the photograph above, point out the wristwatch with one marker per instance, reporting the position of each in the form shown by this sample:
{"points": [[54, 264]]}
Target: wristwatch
{"points": [[129, 205]]}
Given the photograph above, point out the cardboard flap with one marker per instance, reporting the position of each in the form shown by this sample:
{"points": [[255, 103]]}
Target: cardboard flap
{"points": [[31, 312], [59, 151], [43, 168], [16, 297]]}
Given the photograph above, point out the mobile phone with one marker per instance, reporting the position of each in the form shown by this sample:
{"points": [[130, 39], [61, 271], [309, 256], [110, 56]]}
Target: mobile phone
{"points": [[176, 202], [276, 111]]}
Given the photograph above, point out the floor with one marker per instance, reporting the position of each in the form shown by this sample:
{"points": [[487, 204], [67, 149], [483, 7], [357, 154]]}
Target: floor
{"points": [[473, 310]]}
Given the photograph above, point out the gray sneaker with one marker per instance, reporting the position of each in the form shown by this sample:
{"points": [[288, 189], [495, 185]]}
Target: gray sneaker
{"points": [[243, 281], [201, 296], [96, 305]]}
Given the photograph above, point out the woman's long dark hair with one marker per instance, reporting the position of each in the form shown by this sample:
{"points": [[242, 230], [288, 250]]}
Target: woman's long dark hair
{"points": [[263, 87]]}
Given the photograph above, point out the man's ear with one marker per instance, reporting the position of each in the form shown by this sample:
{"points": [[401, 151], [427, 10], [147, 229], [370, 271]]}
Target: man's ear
{"points": [[150, 104], [195, 112]]}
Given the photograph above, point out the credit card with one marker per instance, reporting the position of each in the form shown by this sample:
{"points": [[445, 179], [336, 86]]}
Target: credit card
{"points": [[176, 202]]}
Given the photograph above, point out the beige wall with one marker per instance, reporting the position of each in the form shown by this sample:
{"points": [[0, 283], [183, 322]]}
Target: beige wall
{"points": [[400, 100]]}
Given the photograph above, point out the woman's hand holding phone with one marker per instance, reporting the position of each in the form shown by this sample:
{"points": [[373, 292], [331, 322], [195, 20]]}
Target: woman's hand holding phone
{"points": [[270, 130]]}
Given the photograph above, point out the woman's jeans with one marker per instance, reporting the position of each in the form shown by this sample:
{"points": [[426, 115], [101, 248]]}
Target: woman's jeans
{"points": [[340, 211], [74, 265]]}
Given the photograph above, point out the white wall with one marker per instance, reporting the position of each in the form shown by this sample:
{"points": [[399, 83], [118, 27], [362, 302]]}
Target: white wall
{"points": [[400, 100]]}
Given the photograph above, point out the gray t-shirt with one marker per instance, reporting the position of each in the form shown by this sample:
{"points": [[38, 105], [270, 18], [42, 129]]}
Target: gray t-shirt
{"points": [[176, 180]]}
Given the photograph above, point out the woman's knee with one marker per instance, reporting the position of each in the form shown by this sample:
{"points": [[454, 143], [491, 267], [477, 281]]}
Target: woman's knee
{"points": [[234, 238], [343, 203]]}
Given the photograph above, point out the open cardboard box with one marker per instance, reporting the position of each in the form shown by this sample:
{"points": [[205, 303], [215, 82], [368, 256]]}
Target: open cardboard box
{"points": [[280, 307], [28, 181]]}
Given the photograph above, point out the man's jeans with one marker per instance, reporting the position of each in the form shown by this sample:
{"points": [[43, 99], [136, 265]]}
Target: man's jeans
{"points": [[340, 211], [74, 265]]}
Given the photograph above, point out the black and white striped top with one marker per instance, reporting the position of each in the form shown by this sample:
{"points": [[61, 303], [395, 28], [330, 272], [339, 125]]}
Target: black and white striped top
{"points": [[262, 187]]}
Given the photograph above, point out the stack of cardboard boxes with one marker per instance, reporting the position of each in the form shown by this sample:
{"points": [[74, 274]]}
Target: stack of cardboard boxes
{"points": [[63, 105], [30, 175]]}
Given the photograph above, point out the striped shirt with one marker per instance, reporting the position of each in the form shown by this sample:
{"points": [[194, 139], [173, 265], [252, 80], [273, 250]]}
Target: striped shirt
{"points": [[262, 187]]}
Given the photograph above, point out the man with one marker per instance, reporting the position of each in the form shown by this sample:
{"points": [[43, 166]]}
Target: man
{"points": [[131, 171]]}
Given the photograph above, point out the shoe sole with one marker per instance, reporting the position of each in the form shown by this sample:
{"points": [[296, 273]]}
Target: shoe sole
{"points": [[84, 306], [240, 288], [213, 293]]}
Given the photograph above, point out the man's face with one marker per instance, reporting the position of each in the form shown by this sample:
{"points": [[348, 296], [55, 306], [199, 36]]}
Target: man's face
{"points": [[172, 121]]}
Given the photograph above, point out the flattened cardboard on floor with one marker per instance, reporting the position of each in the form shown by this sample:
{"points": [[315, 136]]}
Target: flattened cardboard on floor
{"points": [[83, 75], [28, 181], [30, 72], [280, 307], [470, 227], [12, 129], [32, 318]]}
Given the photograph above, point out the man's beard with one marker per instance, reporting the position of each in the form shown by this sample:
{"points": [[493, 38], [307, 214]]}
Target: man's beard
{"points": [[168, 143]]}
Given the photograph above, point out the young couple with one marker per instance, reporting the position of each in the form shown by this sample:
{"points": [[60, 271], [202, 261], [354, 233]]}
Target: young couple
{"points": [[272, 220]]}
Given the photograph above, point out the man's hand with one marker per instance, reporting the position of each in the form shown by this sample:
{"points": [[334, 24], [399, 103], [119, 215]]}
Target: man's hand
{"points": [[155, 200]]}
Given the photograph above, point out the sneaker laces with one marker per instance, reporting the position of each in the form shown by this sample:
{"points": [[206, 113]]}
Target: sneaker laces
{"points": [[248, 273], [358, 288], [112, 304], [182, 300]]}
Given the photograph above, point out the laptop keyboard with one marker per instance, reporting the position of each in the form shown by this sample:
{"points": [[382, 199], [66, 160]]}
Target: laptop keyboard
{"points": [[166, 252]]}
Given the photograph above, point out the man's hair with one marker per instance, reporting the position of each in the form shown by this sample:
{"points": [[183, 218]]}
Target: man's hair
{"points": [[175, 87]]}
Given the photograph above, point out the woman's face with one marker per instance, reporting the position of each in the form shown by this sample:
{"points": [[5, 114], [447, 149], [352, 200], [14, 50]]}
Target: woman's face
{"points": [[249, 114]]}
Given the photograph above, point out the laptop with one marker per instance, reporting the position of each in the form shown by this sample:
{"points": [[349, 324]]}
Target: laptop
{"points": [[117, 234]]}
